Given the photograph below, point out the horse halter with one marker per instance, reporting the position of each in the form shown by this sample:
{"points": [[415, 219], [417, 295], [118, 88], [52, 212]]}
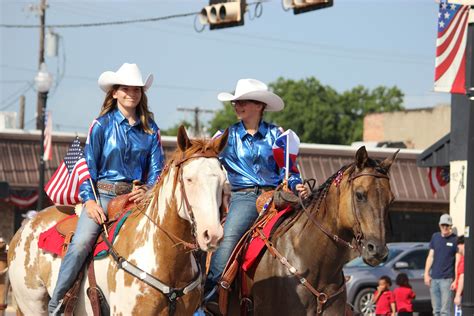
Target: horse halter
{"points": [[205, 153], [358, 234]]}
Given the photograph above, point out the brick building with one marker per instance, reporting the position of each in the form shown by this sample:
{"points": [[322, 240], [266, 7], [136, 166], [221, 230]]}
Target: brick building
{"points": [[416, 128]]}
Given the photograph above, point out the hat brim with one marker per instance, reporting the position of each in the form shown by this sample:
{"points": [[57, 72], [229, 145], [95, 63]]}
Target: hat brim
{"points": [[109, 78], [274, 102]]}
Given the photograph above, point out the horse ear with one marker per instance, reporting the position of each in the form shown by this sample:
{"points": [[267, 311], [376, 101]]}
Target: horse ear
{"points": [[387, 163], [361, 157], [221, 141], [183, 139]]}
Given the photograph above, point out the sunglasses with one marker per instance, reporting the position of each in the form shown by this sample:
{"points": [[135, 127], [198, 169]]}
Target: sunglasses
{"points": [[445, 225]]}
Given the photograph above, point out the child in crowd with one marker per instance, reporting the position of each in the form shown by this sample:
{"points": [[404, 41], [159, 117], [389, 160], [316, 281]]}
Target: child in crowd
{"points": [[383, 298], [404, 295]]}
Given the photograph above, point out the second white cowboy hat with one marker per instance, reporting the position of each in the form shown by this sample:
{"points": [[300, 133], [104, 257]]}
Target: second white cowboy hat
{"points": [[127, 75], [252, 89]]}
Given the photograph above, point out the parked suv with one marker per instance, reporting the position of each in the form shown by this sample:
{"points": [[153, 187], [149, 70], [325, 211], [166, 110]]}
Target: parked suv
{"points": [[362, 279]]}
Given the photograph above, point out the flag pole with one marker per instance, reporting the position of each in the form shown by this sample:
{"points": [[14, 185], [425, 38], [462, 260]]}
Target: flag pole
{"points": [[287, 158], [100, 204]]}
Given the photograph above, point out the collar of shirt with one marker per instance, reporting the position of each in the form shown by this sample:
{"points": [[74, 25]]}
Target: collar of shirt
{"points": [[120, 118], [262, 129]]}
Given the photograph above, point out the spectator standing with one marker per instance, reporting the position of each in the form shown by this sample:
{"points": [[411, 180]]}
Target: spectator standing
{"points": [[439, 267], [383, 298], [459, 282], [404, 295]]}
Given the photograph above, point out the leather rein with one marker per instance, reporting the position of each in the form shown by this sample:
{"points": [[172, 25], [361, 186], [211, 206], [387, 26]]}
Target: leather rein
{"points": [[173, 294]]}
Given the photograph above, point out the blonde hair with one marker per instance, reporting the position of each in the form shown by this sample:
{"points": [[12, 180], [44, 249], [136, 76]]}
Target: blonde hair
{"points": [[143, 113]]}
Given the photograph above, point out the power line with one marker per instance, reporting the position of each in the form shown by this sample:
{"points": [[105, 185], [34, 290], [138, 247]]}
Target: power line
{"points": [[168, 17]]}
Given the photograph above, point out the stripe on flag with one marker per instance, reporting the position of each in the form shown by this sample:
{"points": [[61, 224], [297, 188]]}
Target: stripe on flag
{"points": [[48, 144]]}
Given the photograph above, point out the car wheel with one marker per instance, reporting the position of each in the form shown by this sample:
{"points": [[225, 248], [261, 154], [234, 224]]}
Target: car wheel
{"points": [[363, 301]]}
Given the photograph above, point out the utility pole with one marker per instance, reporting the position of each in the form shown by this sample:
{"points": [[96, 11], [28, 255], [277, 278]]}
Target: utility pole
{"points": [[21, 119], [40, 99], [197, 111]]}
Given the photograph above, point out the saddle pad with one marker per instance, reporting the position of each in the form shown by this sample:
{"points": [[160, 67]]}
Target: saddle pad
{"points": [[256, 245], [52, 241]]}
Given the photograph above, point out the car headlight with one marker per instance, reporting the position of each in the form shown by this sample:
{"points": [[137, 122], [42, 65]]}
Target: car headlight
{"points": [[348, 278]]}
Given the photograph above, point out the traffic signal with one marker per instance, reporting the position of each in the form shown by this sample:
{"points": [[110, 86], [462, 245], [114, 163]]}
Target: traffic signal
{"points": [[221, 14], [301, 6]]}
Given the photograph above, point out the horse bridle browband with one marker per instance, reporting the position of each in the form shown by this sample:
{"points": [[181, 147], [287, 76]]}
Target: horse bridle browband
{"points": [[171, 293]]}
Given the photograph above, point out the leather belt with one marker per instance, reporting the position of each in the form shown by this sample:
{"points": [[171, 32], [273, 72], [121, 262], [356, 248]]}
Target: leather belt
{"points": [[118, 188], [255, 189]]}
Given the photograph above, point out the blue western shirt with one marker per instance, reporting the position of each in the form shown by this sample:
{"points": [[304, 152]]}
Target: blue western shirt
{"points": [[249, 160], [118, 151]]}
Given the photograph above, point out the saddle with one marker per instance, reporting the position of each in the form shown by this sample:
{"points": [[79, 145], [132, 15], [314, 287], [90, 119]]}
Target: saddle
{"points": [[271, 206], [117, 206]]}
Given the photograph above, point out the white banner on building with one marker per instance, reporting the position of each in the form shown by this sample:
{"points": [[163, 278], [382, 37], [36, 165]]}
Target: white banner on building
{"points": [[457, 194]]}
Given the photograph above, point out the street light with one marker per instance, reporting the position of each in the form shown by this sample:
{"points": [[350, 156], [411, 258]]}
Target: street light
{"points": [[43, 82]]}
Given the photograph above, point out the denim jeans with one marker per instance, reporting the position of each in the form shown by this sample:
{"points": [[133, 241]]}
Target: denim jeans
{"points": [[80, 248], [441, 297], [242, 214]]}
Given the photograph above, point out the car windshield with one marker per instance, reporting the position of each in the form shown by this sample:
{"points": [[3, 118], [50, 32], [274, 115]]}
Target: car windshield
{"points": [[358, 262]]}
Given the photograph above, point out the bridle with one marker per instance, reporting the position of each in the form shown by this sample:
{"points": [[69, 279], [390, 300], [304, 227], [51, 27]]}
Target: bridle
{"points": [[357, 231], [205, 153]]}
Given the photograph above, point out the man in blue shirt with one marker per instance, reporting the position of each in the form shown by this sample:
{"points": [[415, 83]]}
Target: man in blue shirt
{"points": [[440, 262]]}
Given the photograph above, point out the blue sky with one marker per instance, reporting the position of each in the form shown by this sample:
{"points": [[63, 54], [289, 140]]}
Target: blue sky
{"points": [[355, 42]]}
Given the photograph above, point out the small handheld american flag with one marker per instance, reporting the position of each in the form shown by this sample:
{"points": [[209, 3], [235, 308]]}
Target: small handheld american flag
{"points": [[63, 187]]}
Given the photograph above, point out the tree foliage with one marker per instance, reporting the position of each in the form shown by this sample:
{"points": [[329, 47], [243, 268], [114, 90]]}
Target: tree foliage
{"points": [[173, 130], [318, 113]]}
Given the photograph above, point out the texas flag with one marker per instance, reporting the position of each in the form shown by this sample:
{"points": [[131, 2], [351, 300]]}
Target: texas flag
{"points": [[288, 140]]}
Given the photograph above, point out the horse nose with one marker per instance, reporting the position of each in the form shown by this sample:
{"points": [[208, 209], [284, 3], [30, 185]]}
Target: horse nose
{"points": [[378, 250], [212, 238]]}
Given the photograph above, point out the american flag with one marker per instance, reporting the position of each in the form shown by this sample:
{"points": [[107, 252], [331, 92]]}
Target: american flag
{"points": [[48, 144], [439, 177], [63, 187], [450, 69]]}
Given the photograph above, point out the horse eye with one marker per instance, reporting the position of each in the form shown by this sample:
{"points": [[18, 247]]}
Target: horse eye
{"points": [[360, 196]]}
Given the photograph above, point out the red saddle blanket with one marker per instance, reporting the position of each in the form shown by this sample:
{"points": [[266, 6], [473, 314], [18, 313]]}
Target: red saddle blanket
{"points": [[52, 241], [257, 245]]}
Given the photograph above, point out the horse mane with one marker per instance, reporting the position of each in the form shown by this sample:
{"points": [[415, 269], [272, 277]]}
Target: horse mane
{"points": [[320, 191], [197, 145]]}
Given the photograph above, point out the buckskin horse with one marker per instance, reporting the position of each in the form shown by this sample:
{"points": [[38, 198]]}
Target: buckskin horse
{"points": [[300, 272], [182, 209]]}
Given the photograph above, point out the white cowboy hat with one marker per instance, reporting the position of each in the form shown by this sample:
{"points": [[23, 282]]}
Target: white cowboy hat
{"points": [[127, 75], [252, 89]]}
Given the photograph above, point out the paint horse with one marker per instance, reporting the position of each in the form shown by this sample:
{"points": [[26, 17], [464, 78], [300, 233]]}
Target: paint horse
{"points": [[301, 271], [182, 209]]}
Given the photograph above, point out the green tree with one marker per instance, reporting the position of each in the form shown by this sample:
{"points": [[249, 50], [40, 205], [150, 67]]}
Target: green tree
{"points": [[173, 130], [222, 119], [318, 113]]}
